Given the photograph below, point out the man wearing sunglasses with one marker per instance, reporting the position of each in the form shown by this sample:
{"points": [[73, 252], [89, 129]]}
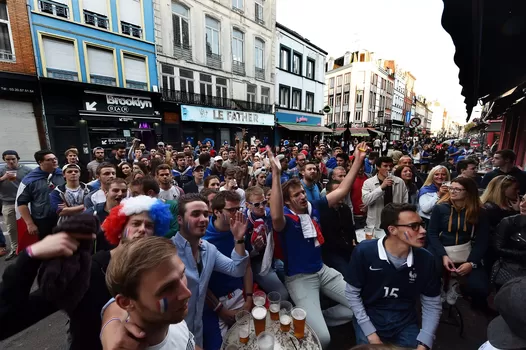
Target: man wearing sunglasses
{"points": [[385, 279]]}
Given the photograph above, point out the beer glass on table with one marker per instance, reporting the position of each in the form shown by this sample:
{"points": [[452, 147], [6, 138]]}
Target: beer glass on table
{"points": [[284, 316], [266, 341], [274, 300], [259, 298], [259, 314], [298, 322], [243, 324], [369, 232]]}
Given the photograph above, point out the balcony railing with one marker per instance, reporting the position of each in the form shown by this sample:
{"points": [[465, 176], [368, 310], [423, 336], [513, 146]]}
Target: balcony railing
{"points": [[54, 8], [183, 51], [212, 101], [131, 29], [136, 85], [260, 73], [102, 80], [62, 74], [95, 19], [6, 56], [213, 60], [238, 67]]}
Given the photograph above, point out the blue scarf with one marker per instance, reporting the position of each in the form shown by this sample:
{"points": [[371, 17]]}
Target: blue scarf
{"points": [[427, 189]]}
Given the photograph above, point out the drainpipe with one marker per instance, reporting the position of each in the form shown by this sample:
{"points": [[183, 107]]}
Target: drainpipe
{"points": [[44, 119]]}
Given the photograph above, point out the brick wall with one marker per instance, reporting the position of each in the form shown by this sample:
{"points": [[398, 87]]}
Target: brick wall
{"points": [[19, 22]]}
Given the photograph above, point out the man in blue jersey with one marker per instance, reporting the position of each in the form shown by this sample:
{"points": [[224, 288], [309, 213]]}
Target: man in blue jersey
{"points": [[296, 220], [385, 279]]}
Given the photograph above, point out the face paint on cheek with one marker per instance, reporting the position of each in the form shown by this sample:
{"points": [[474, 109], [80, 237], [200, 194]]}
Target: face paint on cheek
{"points": [[163, 305], [406, 236], [125, 233], [188, 227]]}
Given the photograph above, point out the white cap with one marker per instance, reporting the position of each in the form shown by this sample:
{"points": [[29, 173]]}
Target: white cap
{"points": [[216, 158]]}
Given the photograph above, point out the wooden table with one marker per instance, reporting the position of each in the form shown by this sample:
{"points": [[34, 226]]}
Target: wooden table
{"points": [[284, 341]]}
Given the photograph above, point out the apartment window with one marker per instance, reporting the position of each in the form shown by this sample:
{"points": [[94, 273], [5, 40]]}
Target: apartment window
{"points": [[339, 81], [101, 63], [130, 15], [237, 5], [96, 13], [57, 8], [168, 80], [347, 78], [310, 68], [309, 102], [338, 100], [205, 84], [359, 97], [221, 90], [6, 41], [259, 59], [186, 80], [284, 58], [284, 96], [135, 71], [259, 11], [331, 83], [296, 99], [212, 42], [358, 116], [296, 63], [251, 93], [362, 57], [61, 59], [181, 27], [331, 101], [265, 95], [346, 99]]}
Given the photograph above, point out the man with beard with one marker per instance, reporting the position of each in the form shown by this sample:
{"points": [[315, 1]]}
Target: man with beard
{"points": [[148, 280], [169, 191], [200, 257], [106, 172], [310, 175], [92, 166], [20, 308], [119, 156]]}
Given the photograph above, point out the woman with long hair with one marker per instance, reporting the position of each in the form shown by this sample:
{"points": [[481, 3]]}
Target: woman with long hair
{"points": [[124, 170], [458, 236], [405, 172], [415, 154], [432, 190]]}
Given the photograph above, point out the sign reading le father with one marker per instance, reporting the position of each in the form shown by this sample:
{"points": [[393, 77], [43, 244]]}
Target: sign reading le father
{"points": [[225, 116], [107, 103]]}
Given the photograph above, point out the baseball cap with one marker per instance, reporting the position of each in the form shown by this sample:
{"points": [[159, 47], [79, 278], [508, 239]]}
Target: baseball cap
{"points": [[70, 166], [280, 157], [160, 144], [218, 158], [507, 330], [260, 171]]}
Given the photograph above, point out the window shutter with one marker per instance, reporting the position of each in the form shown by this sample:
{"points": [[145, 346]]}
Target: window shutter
{"points": [[186, 33], [177, 29], [135, 69], [130, 11], [101, 62], [97, 6], [60, 54]]}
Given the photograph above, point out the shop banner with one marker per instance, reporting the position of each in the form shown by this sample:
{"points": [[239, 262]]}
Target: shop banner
{"points": [[301, 119], [225, 116], [107, 103]]}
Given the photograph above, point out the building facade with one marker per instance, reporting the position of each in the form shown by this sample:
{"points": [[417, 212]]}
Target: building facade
{"points": [[22, 125], [397, 115], [300, 77], [96, 60], [216, 63]]}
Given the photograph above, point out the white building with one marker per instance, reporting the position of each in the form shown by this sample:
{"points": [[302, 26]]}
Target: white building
{"points": [[397, 116], [356, 87], [216, 58], [300, 77]]}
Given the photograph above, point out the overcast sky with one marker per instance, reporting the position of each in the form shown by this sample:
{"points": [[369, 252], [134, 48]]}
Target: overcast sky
{"points": [[408, 31]]}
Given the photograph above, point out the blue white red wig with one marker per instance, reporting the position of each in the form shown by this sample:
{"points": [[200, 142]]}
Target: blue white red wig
{"points": [[115, 223]]}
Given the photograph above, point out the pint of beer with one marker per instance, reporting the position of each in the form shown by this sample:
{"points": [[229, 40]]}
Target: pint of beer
{"points": [[259, 314], [274, 299], [259, 298], [298, 321], [284, 316], [243, 322]]}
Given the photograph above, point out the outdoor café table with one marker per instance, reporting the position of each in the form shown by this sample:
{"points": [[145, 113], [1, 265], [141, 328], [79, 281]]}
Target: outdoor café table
{"points": [[284, 341]]}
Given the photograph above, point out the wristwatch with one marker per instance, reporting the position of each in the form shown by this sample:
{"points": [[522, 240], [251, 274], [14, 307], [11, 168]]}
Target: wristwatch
{"points": [[473, 265], [424, 345], [240, 241]]}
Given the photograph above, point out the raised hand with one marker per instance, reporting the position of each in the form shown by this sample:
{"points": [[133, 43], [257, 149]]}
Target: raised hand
{"points": [[238, 225], [58, 245], [274, 162], [360, 151]]}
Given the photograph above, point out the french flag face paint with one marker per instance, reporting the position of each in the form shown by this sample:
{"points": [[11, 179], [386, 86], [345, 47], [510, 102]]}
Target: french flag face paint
{"points": [[406, 236], [163, 305]]}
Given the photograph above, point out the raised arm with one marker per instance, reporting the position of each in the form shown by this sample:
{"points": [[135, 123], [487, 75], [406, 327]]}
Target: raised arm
{"points": [[276, 195], [345, 187]]}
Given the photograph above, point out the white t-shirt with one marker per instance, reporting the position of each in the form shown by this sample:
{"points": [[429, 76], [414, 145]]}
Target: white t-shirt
{"points": [[240, 192], [487, 346], [179, 337], [98, 197], [169, 195]]}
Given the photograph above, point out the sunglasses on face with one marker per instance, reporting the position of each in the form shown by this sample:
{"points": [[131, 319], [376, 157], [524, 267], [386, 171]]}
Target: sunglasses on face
{"points": [[258, 204], [415, 226], [232, 210]]}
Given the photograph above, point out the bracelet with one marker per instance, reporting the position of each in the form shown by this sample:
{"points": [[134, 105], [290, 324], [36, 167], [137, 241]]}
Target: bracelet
{"points": [[111, 320], [218, 307], [249, 294], [29, 251]]}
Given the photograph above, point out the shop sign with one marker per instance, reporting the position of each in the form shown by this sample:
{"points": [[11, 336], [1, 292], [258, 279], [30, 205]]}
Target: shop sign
{"points": [[302, 120], [290, 118], [96, 102], [112, 141], [225, 116], [17, 84]]}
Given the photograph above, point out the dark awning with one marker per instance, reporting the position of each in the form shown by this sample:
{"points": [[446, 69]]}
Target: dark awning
{"points": [[488, 36], [309, 128], [494, 127]]}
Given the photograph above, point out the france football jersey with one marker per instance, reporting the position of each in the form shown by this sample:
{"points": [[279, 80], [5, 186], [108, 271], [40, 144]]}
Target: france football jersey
{"points": [[389, 295]]}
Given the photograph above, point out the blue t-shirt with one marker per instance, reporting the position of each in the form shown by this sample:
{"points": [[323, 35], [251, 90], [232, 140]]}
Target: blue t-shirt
{"points": [[300, 254], [390, 295], [313, 192]]}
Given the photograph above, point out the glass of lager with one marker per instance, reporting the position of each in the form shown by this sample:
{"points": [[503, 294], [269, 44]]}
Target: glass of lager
{"points": [[298, 322], [266, 341], [274, 300], [259, 314], [284, 316], [243, 324], [259, 298]]}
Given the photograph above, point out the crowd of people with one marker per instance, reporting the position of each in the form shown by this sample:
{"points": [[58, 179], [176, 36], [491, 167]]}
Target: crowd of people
{"points": [[167, 246]]}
